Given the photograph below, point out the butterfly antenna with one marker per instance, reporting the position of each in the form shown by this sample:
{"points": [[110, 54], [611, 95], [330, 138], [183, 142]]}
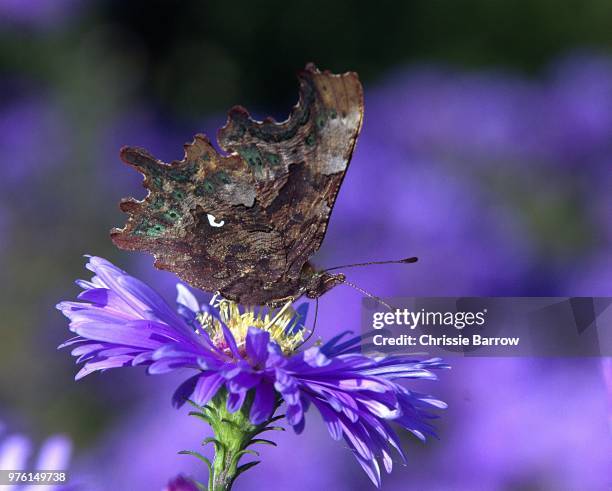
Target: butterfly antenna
{"points": [[406, 260], [367, 294]]}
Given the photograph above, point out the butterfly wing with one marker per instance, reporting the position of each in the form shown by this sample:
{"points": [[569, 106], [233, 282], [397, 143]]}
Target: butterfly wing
{"points": [[247, 222]]}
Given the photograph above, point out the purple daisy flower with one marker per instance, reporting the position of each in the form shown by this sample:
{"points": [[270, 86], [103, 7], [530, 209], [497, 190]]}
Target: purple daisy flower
{"points": [[253, 357]]}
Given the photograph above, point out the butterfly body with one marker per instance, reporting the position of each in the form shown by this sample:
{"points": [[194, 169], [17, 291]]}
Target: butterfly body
{"points": [[245, 223]]}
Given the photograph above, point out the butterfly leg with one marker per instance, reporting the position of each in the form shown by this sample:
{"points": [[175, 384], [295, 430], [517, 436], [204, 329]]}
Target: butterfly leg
{"points": [[279, 302]]}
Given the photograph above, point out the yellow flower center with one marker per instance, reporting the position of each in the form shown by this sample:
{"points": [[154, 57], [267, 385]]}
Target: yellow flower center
{"points": [[283, 324]]}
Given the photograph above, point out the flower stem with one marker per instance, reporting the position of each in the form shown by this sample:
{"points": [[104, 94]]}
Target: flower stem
{"points": [[233, 434]]}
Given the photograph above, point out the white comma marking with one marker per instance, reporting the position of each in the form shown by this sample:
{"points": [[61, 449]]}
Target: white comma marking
{"points": [[213, 221]]}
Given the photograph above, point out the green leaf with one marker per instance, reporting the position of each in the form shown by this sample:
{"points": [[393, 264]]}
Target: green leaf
{"points": [[199, 456], [262, 441], [268, 428], [246, 467], [201, 416], [276, 418], [236, 457], [218, 445], [272, 428], [232, 423], [194, 404], [212, 409]]}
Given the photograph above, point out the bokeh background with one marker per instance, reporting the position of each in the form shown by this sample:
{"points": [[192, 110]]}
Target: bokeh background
{"points": [[486, 151]]}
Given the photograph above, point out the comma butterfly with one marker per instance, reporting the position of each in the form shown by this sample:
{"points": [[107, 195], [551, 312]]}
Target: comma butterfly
{"points": [[246, 223]]}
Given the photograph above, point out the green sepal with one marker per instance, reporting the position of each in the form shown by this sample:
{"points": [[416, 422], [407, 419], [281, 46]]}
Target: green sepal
{"points": [[231, 423], [199, 456], [271, 428], [246, 467], [262, 441], [201, 416], [218, 445], [238, 455]]}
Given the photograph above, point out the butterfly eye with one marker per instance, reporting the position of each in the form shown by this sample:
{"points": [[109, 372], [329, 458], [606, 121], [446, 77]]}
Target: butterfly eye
{"points": [[213, 221]]}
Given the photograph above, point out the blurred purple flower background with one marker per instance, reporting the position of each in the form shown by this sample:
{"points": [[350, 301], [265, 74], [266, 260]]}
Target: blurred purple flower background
{"points": [[35, 13], [17, 454], [499, 183]]}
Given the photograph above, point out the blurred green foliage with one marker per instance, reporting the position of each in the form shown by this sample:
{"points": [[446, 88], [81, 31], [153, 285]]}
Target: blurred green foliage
{"points": [[194, 57]]}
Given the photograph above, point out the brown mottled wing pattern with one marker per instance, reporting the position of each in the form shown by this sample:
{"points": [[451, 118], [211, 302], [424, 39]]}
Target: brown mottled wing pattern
{"points": [[245, 224]]}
